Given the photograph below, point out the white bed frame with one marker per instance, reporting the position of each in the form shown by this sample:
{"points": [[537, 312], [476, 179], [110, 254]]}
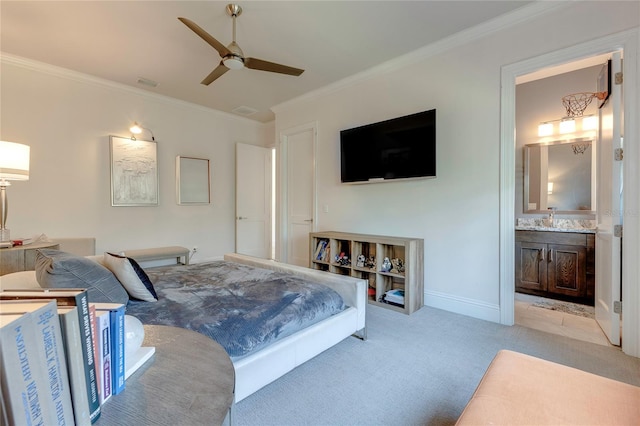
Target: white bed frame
{"points": [[263, 367]]}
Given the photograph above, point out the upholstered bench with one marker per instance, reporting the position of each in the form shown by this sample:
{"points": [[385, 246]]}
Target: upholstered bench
{"points": [[159, 253], [519, 389]]}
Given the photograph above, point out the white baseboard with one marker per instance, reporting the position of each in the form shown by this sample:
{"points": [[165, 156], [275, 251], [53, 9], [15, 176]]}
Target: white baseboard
{"points": [[461, 305]]}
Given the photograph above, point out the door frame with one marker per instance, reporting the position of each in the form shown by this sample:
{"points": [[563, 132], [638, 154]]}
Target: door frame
{"points": [[282, 195], [628, 41]]}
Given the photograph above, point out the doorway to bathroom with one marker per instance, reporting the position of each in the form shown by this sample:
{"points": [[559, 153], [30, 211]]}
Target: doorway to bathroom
{"points": [[555, 199], [508, 183]]}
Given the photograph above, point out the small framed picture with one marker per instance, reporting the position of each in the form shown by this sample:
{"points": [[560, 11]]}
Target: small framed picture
{"points": [[193, 180], [604, 83]]}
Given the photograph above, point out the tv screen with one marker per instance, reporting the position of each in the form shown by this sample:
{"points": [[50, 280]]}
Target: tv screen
{"points": [[400, 148]]}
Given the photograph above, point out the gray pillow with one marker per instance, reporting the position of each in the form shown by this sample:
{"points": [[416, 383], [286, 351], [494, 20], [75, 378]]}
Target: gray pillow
{"points": [[58, 269]]}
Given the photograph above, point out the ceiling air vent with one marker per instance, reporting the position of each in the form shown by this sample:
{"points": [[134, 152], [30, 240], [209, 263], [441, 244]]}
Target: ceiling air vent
{"points": [[244, 110], [147, 82]]}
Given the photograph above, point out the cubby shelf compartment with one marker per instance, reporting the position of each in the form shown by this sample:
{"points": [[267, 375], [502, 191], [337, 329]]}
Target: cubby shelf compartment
{"points": [[374, 248]]}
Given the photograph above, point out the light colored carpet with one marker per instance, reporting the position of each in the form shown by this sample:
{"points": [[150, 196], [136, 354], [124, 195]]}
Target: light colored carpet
{"points": [[413, 370]]}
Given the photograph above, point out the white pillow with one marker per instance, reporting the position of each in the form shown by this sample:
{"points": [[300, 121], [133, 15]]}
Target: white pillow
{"points": [[131, 276]]}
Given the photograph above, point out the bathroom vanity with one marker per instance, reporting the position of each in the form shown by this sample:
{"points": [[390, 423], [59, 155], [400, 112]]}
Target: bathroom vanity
{"points": [[556, 263]]}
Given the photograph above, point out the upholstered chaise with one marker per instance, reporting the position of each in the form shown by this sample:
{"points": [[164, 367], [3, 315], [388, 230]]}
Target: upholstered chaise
{"points": [[519, 389]]}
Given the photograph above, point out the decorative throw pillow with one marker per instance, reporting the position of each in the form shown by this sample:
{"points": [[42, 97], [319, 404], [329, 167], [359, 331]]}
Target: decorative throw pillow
{"points": [[131, 276], [59, 269]]}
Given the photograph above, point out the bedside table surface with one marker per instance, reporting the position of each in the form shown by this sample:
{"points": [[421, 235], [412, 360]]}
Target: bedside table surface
{"points": [[189, 380]]}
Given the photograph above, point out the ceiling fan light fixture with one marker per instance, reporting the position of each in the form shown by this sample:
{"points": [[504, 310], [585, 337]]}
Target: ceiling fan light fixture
{"points": [[233, 62]]}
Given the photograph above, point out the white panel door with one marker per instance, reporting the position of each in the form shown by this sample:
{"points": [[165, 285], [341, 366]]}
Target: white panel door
{"points": [[609, 211], [253, 200], [300, 194]]}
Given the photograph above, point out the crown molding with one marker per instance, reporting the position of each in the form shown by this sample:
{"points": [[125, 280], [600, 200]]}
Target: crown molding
{"points": [[524, 14], [65, 73]]}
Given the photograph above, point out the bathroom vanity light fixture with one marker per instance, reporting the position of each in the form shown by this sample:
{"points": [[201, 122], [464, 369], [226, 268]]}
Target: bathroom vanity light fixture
{"points": [[567, 125], [137, 129]]}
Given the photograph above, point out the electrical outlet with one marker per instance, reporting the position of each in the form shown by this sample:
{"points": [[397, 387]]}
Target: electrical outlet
{"points": [[195, 249]]}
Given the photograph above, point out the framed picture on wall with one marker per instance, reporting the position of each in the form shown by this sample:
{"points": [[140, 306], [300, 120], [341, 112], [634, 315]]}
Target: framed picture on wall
{"points": [[604, 83], [193, 180], [134, 172]]}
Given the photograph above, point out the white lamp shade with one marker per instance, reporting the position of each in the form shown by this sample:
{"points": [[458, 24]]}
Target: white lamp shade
{"points": [[14, 161]]}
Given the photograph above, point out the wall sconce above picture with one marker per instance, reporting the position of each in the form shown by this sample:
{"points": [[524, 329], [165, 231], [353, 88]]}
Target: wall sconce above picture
{"points": [[137, 129]]}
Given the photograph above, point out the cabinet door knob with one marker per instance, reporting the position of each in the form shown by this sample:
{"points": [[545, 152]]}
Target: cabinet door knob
{"points": [[550, 255], [541, 254]]}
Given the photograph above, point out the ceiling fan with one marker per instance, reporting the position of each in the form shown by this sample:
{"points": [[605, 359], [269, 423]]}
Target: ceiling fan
{"points": [[232, 56]]}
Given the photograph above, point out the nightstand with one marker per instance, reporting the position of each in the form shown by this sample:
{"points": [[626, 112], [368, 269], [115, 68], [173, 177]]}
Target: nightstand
{"points": [[21, 258], [189, 380]]}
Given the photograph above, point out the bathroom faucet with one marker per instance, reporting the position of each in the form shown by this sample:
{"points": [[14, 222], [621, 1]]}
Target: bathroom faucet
{"points": [[550, 220]]}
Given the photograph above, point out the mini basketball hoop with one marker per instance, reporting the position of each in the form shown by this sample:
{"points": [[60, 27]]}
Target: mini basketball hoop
{"points": [[576, 103]]}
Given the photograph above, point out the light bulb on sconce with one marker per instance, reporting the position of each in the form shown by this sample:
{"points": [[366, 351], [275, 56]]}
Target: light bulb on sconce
{"points": [[137, 129]]}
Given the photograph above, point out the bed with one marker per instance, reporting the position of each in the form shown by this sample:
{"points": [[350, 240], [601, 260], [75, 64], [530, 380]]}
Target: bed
{"points": [[266, 361]]}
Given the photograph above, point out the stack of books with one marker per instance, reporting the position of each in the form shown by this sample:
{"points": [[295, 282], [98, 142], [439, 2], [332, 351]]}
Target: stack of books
{"points": [[61, 356], [394, 297], [323, 251]]}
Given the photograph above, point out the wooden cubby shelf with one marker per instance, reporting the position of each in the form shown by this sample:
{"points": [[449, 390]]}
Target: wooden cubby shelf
{"points": [[362, 256]]}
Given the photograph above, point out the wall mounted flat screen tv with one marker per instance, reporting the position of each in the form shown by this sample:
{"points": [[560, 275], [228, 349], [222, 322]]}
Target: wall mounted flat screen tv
{"points": [[399, 148]]}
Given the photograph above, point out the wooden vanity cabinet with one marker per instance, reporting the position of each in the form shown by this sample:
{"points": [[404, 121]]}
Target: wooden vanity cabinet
{"points": [[555, 264]]}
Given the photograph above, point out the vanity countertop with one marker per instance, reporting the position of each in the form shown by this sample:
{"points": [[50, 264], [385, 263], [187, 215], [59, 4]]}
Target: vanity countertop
{"points": [[580, 226], [548, 229]]}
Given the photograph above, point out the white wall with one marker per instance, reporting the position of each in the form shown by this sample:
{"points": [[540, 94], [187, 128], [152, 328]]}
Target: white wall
{"points": [[457, 213], [67, 118]]}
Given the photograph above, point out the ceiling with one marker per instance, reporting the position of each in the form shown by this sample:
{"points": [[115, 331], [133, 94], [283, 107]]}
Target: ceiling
{"points": [[124, 41]]}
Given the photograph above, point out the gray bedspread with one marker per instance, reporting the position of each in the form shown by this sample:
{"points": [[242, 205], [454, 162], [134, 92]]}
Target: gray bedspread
{"points": [[241, 307]]}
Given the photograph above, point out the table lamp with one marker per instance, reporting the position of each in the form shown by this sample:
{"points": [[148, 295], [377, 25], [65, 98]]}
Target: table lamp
{"points": [[14, 165]]}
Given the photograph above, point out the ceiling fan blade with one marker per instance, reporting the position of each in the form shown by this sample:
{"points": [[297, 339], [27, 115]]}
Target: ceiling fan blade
{"points": [[220, 69], [221, 48], [259, 64]]}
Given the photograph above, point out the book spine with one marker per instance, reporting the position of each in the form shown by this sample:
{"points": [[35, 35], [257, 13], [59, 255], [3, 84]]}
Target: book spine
{"points": [[104, 349], [48, 329], [88, 355], [72, 338], [116, 315], [23, 374], [117, 349]]}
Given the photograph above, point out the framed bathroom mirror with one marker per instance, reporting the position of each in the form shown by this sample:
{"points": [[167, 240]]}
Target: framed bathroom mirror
{"points": [[560, 175], [193, 180]]}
